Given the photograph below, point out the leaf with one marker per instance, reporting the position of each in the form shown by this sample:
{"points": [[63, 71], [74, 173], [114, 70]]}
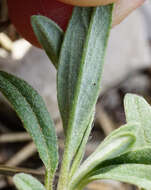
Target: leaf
{"points": [[115, 147], [33, 113], [141, 155], [111, 147], [49, 35], [80, 69], [27, 182], [137, 174], [138, 156], [70, 59], [138, 114], [138, 153], [138, 110], [80, 152]]}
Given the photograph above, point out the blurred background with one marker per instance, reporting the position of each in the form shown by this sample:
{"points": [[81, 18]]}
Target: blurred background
{"points": [[127, 69]]}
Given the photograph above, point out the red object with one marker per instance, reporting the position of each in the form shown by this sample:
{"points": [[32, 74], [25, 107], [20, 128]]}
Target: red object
{"points": [[20, 12]]}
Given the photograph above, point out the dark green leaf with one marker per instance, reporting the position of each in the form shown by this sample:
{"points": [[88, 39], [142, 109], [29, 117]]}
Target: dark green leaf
{"points": [[34, 115], [49, 35]]}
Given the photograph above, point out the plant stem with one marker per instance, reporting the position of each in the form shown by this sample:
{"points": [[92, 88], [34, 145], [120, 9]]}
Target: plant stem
{"points": [[64, 173], [48, 181]]}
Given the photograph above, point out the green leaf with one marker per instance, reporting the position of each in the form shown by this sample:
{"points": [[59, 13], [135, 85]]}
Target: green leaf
{"points": [[138, 110], [137, 174], [114, 147], [141, 155], [49, 35], [27, 182], [81, 150], [70, 60], [33, 113], [80, 69], [138, 113]]}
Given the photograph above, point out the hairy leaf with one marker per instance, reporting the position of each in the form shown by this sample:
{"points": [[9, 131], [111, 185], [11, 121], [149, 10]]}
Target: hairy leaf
{"points": [[138, 113], [33, 113], [113, 148], [27, 182], [80, 69], [49, 35], [81, 150], [138, 110], [141, 155], [137, 174]]}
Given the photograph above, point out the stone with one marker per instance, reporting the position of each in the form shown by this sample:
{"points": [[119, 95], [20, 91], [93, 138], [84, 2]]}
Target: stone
{"points": [[127, 51]]}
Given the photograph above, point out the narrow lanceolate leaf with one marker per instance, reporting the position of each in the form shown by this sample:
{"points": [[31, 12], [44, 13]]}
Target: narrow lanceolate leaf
{"points": [[49, 35], [112, 149], [138, 110], [137, 174], [33, 113], [27, 182], [80, 69]]}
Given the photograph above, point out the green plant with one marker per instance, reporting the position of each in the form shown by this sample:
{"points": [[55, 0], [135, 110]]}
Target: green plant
{"points": [[125, 155]]}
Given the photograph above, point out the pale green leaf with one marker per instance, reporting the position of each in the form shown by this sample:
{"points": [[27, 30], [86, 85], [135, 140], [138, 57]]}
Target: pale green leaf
{"points": [[140, 155], [136, 174], [49, 35], [33, 113], [27, 182], [111, 149], [138, 110], [117, 136], [80, 69]]}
